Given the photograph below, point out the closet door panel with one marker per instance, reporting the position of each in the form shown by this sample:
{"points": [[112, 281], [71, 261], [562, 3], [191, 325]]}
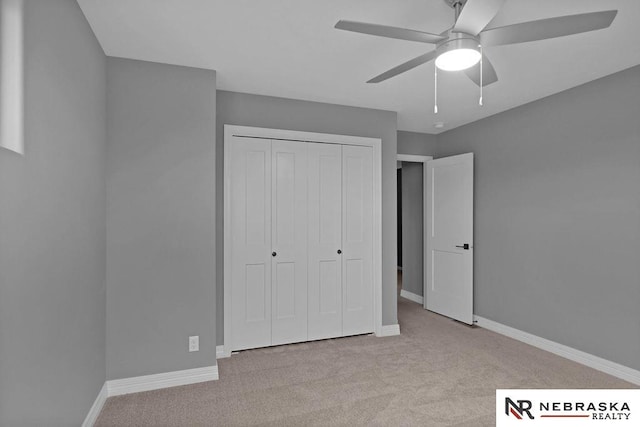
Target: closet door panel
{"points": [[325, 239], [357, 235], [289, 242], [250, 222]]}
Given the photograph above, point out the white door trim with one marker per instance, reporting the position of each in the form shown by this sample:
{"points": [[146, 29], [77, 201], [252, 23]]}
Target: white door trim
{"points": [[425, 194], [266, 133], [413, 158]]}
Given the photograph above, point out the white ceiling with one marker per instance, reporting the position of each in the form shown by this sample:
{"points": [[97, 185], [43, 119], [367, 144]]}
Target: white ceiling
{"points": [[289, 48]]}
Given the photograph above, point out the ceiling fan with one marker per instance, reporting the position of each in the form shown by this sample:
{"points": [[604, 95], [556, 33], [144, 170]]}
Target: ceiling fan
{"points": [[460, 47]]}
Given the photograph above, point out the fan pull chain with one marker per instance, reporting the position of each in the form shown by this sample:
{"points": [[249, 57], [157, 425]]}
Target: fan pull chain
{"points": [[435, 83], [481, 56]]}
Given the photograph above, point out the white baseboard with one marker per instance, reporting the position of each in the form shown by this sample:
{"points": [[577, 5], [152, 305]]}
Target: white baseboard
{"points": [[595, 362], [221, 352], [147, 383], [389, 330], [411, 296], [92, 416], [164, 380]]}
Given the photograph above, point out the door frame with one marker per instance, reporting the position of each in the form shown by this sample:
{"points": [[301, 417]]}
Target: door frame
{"points": [[425, 193], [291, 135]]}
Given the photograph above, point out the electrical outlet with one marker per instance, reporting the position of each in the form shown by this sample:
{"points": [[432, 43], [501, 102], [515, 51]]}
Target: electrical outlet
{"points": [[194, 343]]}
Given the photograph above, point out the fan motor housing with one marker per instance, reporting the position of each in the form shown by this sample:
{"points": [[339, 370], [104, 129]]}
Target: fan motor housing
{"points": [[458, 40]]}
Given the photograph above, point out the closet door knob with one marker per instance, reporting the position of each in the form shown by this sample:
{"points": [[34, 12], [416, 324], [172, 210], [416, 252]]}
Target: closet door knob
{"points": [[339, 251], [273, 254]]}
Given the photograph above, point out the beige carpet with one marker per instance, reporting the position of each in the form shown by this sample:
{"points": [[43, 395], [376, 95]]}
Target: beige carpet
{"points": [[437, 373]]}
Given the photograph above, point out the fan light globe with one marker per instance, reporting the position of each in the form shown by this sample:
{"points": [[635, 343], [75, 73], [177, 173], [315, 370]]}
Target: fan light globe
{"points": [[457, 59]]}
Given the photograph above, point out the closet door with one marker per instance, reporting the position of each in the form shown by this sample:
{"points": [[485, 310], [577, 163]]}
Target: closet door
{"points": [[325, 240], [250, 168], [289, 242], [357, 237]]}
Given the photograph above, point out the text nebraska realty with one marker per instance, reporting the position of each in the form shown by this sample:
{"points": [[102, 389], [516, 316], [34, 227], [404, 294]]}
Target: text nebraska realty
{"points": [[599, 410]]}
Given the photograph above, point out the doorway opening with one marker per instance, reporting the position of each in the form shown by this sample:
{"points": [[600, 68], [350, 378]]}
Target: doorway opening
{"points": [[411, 185]]}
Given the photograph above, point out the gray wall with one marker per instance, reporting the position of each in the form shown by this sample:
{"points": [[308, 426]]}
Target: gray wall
{"points": [[412, 228], [557, 208], [160, 217], [421, 144], [52, 227], [264, 111]]}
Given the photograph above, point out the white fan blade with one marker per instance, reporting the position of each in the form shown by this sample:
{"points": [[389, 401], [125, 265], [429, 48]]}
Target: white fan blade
{"points": [[422, 59], [547, 28], [390, 32], [476, 14], [489, 75]]}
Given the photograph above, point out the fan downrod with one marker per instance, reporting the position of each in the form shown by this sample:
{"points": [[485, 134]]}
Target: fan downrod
{"points": [[452, 3], [456, 5]]}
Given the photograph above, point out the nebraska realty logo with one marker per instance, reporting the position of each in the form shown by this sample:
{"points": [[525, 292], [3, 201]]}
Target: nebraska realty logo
{"points": [[575, 408]]}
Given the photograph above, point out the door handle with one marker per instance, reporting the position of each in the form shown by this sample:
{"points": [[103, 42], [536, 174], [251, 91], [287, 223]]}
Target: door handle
{"points": [[339, 251], [464, 246], [273, 254]]}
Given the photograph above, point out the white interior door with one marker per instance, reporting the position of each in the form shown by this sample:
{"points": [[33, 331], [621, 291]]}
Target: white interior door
{"points": [[325, 240], [357, 240], [289, 242], [449, 286], [250, 222]]}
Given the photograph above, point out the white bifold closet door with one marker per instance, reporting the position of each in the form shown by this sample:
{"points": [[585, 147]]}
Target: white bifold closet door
{"points": [[325, 241], [301, 241], [340, 240], [289, 242], [269, 229], [357, 240], [250, 191]]}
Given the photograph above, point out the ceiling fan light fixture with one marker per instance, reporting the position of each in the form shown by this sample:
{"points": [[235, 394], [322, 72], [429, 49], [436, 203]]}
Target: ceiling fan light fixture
{"points": [[457, 59], [458, 54]]}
